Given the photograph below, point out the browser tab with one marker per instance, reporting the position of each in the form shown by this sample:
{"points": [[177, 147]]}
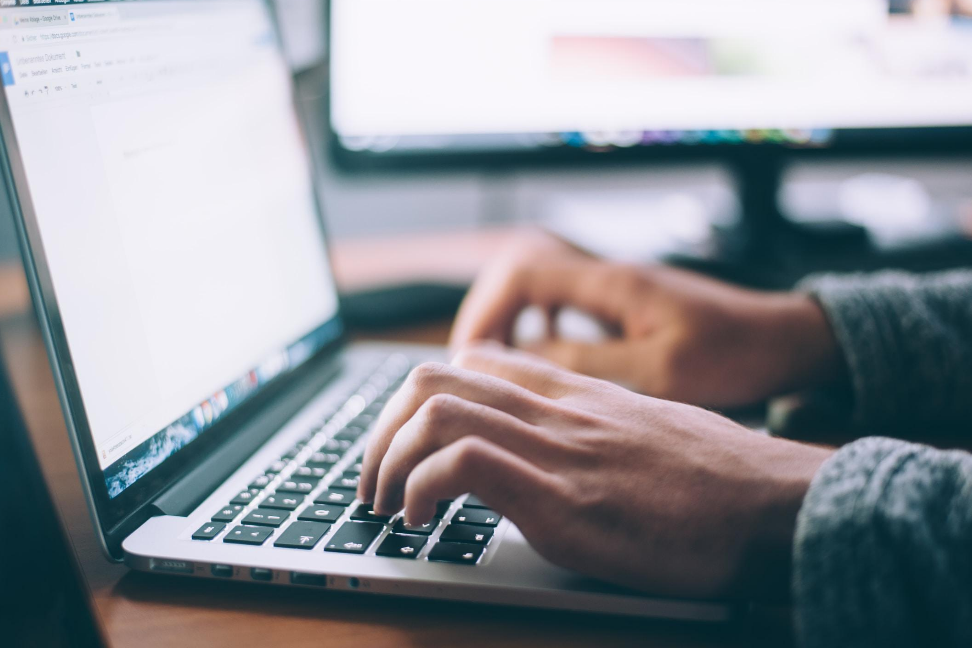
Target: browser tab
{"points": [[41, 19]]}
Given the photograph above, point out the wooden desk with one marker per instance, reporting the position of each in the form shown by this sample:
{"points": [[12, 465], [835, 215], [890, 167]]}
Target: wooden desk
{"points": [[147, 610]]}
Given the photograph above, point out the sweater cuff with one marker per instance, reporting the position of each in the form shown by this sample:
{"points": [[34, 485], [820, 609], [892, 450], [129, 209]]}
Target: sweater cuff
{"points": [[862, 311], [881, 549], [834, 544]]}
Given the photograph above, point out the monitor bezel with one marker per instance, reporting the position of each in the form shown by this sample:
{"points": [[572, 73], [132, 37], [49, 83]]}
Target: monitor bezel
{"points": [[113, 517], [846, 143]]}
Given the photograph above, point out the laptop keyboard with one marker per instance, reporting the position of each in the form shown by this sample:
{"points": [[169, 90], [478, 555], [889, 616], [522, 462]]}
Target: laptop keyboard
{"points": [[306, 499]]}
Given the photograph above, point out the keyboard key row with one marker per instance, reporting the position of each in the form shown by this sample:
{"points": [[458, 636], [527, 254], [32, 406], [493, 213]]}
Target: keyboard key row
{"points": [[459, 543]]}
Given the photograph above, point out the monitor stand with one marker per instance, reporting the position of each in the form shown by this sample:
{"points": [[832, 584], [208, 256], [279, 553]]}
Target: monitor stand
{"points": [[767, 249]]}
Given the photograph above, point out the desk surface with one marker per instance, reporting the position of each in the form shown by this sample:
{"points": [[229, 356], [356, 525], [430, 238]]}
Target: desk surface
{"points": [[146, 610]]}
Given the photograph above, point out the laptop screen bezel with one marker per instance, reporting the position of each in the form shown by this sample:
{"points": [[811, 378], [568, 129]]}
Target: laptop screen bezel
{"points": [[109, 514]]}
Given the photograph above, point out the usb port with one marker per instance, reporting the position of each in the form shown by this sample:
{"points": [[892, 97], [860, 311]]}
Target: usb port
{"points": [[259, 574], [223, 571], [316, 580]]}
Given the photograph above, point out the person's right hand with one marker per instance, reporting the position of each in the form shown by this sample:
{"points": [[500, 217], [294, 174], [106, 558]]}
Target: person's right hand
{"points": [[664, 497], [681, 336]]}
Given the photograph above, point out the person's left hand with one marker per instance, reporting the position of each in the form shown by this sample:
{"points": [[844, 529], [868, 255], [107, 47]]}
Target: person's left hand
{"points": [[650, 494]]}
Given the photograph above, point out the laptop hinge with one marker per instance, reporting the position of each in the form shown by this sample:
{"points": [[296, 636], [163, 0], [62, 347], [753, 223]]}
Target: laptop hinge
{"points": [[191, 489]]}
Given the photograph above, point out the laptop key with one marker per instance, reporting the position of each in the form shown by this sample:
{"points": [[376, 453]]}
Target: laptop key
{"points": [[208, 531], [245, 497], [336, 445], [283, 501], [228, 513], [347, 480], [455, 552], [365, 513], [260, 482], [265, 517], [248, 535], [354, 537], [348, 434], [306, 473], [323, 460], [354, 469], [479, 517], [474, 502], [335, 496], [321, 513], [302, 535], [442, 507], [466, 533], [277, 467], [419, 529], [291, 486], [401, 546]]}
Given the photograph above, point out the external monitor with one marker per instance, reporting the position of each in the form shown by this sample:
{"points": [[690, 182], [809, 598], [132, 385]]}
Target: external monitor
{"points": [[419, 83], [440, 78]]}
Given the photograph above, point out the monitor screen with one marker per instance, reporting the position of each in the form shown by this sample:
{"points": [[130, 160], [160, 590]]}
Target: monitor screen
{"points": [[485, 75], [172, 192]]}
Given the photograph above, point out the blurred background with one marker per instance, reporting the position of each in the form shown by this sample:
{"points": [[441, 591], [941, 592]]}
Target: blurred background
{"points": [[644, 129]]}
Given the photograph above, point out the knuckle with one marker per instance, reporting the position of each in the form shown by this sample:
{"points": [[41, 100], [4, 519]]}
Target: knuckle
{"points": [[438, 410], [467, 454], [426, 376]]}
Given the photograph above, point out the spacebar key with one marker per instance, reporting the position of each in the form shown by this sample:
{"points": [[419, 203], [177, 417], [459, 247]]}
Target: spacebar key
{"points": [[354, 537]]}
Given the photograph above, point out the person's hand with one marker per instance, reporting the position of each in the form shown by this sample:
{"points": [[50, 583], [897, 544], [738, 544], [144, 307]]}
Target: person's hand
{"points": [[680, 336], [654, 495]]}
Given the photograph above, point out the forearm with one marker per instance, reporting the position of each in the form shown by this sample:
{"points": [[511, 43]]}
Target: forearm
{"points": [[883, 548], [906, 341]]}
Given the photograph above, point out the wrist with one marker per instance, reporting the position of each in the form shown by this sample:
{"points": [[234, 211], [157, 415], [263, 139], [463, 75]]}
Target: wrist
{"points": [[806, 351], [765, 567]]}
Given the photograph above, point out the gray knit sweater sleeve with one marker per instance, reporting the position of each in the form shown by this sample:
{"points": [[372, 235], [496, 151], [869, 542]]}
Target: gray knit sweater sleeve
{"points": [[883, 546], [883, 549], [907, 342]]}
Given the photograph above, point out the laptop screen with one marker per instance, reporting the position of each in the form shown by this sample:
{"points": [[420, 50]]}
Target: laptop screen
{"points": [[173, 195]]}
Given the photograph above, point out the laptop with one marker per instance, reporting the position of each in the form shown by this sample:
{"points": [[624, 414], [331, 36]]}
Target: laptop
{"points": [[44, 598], [165, 198]]}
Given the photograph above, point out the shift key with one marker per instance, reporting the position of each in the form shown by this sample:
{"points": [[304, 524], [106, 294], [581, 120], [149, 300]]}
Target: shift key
{"points": [[354, 537]]}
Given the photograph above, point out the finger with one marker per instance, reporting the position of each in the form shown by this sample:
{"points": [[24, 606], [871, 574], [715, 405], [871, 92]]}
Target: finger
{"points": [[529, 371], [552, 313], [427, 380], [494, 302], [612, 360], [509, 484], [441, 421]]}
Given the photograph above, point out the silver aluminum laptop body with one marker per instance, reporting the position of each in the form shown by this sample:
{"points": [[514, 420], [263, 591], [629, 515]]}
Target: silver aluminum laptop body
{"points": [[149, 522]]}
